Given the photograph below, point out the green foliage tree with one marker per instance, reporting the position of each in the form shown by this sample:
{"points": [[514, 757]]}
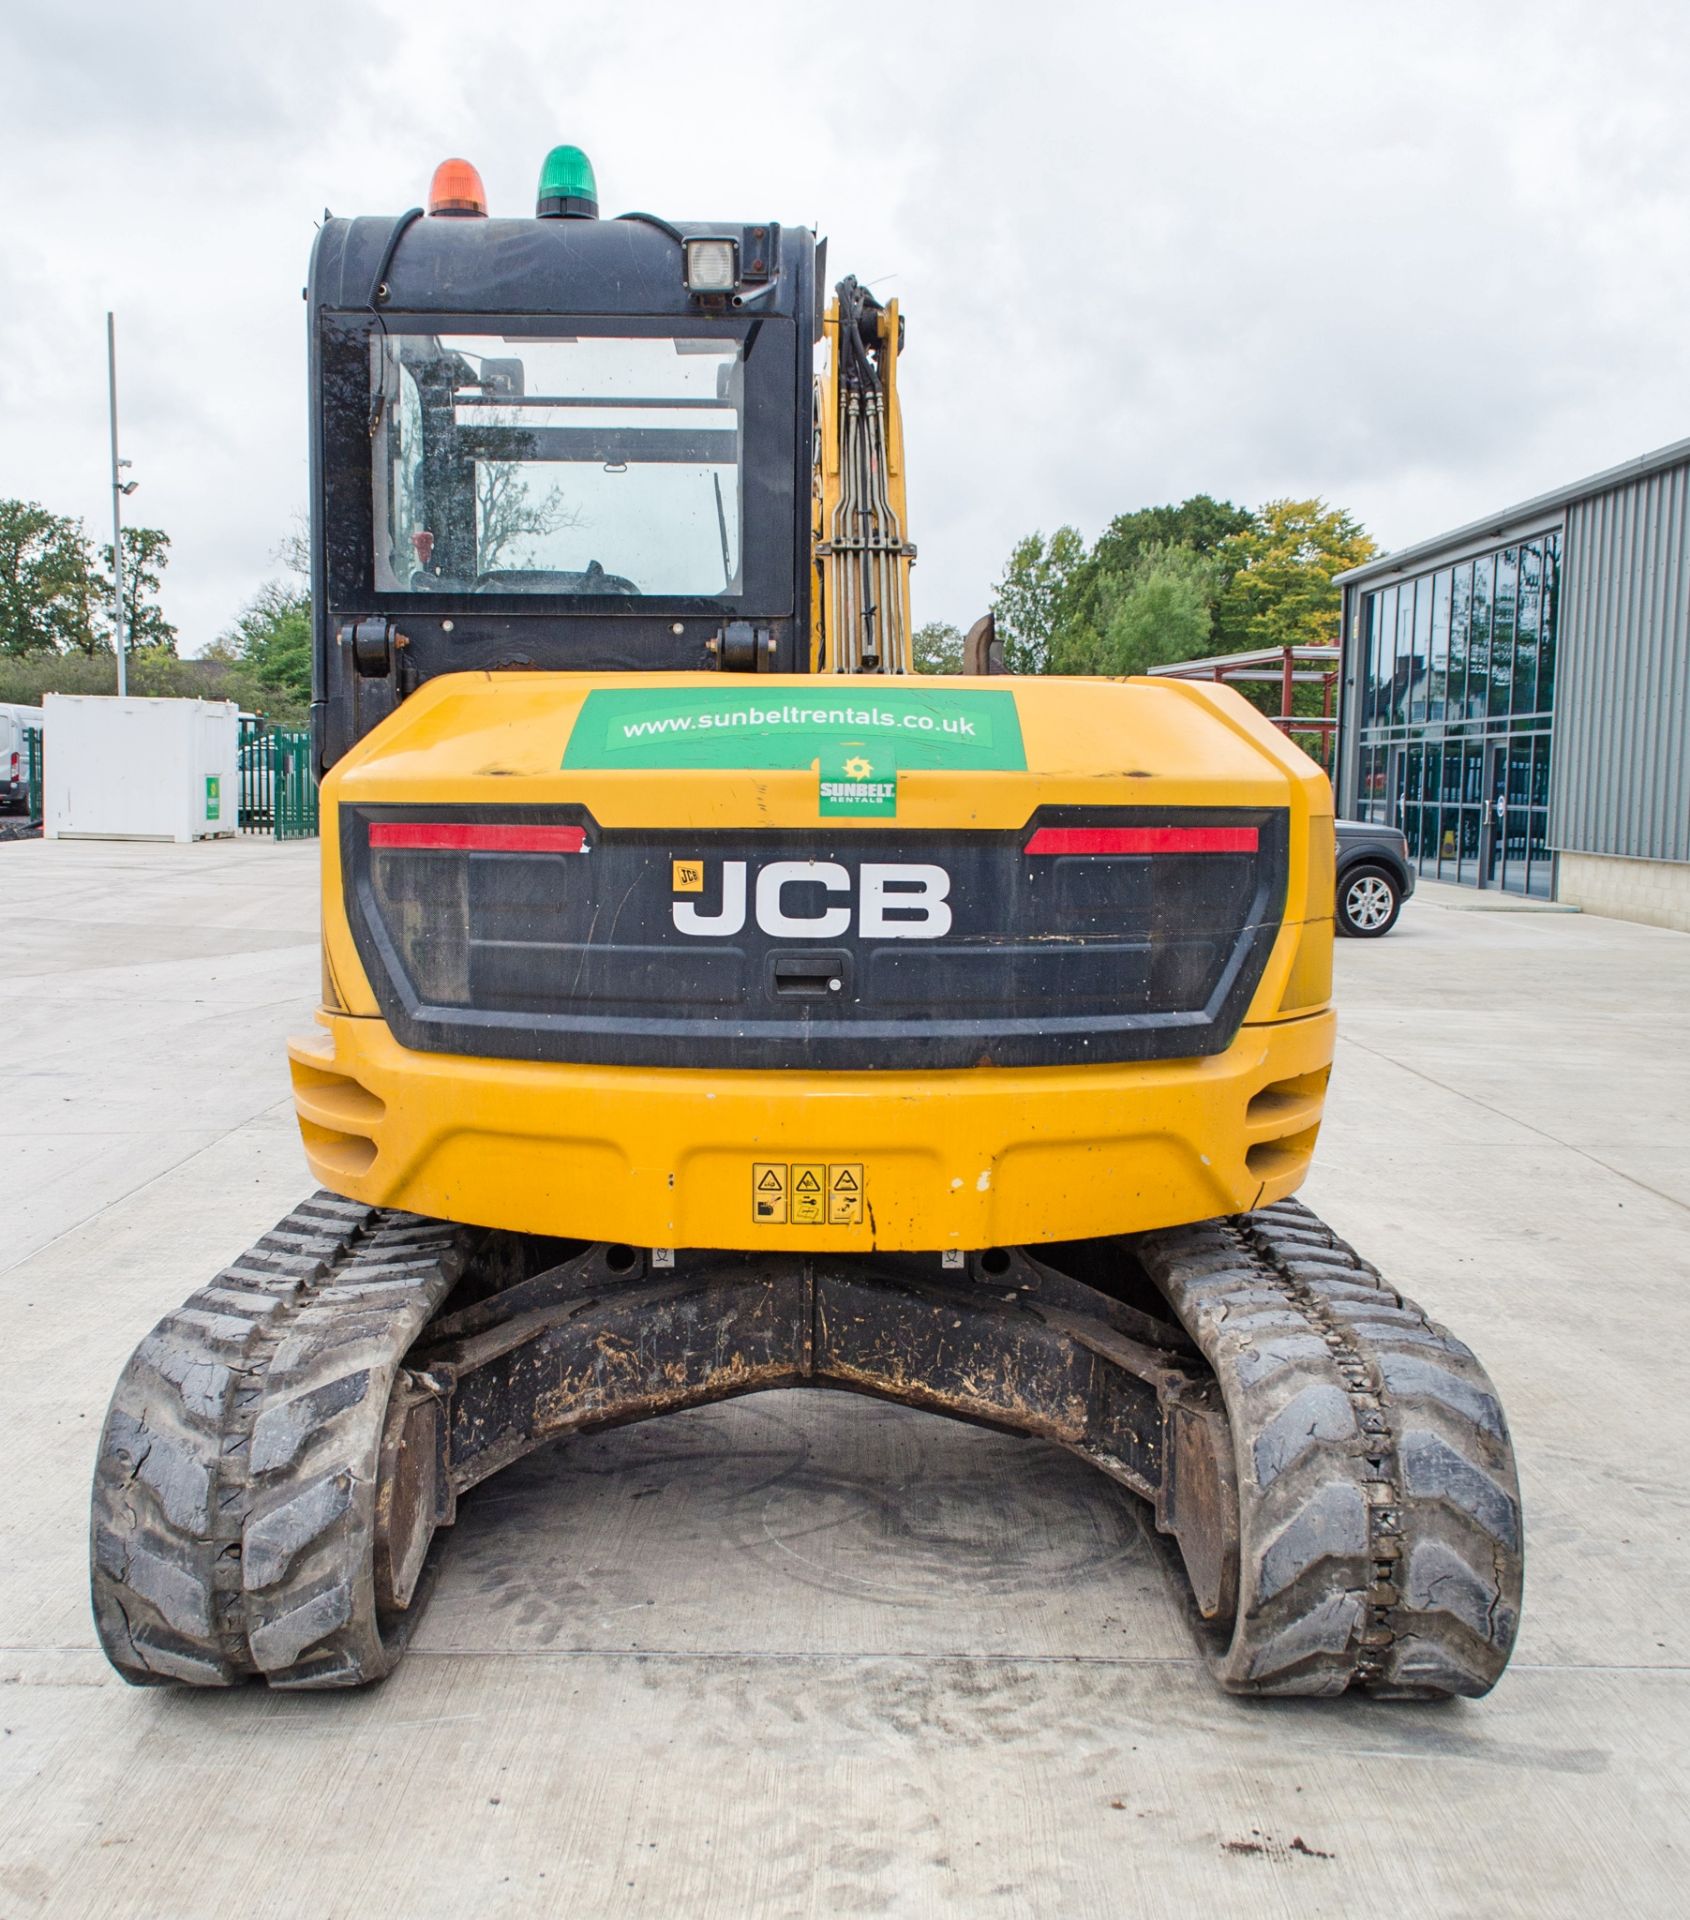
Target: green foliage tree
{"points": [[1158, 608], [1177, 582], [1202, 525], [1279, 590], [272, 635], [1161, 609], [46, 590], [269, 641], [25, 678], [146, 554], [938, 648], [1027, 601]]}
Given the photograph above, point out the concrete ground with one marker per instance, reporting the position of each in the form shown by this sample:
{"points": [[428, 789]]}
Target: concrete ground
{"points": [[807, 1655]]}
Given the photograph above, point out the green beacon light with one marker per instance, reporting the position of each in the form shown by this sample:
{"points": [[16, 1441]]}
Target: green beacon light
{"points": [[568, 190]]}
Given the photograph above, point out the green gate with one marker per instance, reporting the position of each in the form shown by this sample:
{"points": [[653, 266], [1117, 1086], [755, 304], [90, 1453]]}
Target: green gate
{"points": [[256, 812], [35, 761], [295, 788], [278, 794]]}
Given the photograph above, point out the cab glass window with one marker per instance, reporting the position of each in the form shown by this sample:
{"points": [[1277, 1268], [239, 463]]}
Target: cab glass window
{"points": [[589, 466]]}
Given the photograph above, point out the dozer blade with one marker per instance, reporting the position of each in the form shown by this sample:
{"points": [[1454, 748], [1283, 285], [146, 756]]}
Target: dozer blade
{"points": [[281, 1452]]}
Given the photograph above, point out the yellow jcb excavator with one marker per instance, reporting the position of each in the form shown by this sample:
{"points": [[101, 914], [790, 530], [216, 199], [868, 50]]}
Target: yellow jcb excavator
{"points": [[710, 1004]]}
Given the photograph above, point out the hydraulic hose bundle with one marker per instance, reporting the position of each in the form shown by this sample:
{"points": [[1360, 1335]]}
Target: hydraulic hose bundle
{"points": [[867, 621]]}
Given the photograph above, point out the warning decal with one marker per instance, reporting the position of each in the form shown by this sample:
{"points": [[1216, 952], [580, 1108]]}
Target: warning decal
{"points": [[845, 1195], [807, 1194], [768, 1193]]}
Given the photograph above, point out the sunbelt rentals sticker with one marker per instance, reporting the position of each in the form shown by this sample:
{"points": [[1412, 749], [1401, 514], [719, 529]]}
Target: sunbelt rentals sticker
{"points": [[859, 740], [859, 779]]}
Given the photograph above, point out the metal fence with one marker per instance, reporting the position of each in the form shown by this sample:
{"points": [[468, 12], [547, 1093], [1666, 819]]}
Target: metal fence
{"points": [[35, 759], [256, 807], [278, 795], [256, 811], [295, 789]]}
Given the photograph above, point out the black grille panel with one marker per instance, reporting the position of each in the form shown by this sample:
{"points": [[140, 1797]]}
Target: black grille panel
{"points": [[1047, 959]]}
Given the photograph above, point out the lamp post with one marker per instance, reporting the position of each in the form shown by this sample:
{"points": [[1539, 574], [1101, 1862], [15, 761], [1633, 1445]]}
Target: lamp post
{"points": [[119, 487]]}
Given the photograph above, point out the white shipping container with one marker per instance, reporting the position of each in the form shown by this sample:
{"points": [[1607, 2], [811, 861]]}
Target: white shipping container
{"points": [[140, 769]]}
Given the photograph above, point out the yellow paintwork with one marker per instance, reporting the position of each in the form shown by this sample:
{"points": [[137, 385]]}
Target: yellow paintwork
{"points": [[663, 1157]]}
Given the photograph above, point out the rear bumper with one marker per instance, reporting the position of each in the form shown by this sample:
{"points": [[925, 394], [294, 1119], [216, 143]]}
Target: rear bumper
{"points": [[668, 1157]]}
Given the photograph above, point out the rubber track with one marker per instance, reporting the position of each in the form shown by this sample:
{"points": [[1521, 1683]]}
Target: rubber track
{"points": [[1380, 1512], [235, 1487]]}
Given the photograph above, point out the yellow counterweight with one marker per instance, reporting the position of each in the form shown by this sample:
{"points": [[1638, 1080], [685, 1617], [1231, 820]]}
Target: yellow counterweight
{"points": [[976, 1156]]}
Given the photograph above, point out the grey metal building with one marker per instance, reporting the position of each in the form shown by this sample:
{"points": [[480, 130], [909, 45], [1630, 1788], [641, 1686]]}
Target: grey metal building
{"points": [[1516, 695]]}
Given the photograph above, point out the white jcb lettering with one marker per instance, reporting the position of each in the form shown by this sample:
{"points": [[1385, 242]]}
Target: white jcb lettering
{"points": [[730, 920], [895, 901], [772, 917], [918, 901]]}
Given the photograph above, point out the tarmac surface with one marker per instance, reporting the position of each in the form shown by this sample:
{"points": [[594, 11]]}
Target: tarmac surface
{"points": [[805, 1654]]}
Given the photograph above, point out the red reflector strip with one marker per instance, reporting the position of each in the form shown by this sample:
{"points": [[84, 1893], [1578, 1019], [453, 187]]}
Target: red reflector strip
{"points": [[1143, 840], [461, 836]]}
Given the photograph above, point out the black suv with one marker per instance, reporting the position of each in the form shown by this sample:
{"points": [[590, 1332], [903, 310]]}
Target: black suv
{"points": [[1374, 878]]}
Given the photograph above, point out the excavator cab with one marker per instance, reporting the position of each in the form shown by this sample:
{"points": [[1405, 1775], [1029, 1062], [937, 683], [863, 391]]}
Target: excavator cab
{"points": [[711, 1005], [558, 444]]}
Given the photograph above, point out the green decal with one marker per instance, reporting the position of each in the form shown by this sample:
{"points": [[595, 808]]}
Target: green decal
{"points": [[859, 778], [213, 796], [745, 726]]}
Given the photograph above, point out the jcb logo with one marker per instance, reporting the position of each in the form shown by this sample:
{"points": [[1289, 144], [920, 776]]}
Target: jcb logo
{"points": [[811, 900]]}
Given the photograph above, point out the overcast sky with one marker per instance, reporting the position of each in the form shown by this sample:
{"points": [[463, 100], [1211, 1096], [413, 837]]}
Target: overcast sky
{"points": [[1421, 260]]}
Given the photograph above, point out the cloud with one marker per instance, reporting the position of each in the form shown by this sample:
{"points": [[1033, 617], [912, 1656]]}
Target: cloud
{"points": [[1423, 263]]}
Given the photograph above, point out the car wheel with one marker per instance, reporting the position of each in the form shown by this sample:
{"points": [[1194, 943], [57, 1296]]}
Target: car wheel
{"points": [[1369, 900]]}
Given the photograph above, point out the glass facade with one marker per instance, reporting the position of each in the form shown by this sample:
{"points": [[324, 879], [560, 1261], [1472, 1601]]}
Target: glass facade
{"points": [[1458, 689]]}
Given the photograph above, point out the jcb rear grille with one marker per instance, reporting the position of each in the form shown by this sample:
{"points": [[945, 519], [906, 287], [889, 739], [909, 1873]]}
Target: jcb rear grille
{"points": [[1086, 935]]}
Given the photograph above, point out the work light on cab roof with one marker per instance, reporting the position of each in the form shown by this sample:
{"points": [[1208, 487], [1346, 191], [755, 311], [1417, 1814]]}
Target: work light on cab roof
{"points": [[456, 191]]}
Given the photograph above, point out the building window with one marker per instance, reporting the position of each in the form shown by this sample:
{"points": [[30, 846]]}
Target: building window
{"points": [[1457, 682]]}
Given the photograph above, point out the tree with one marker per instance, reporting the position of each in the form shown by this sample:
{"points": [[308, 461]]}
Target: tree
{"points": [[46, 592], [1159, 608], [146, 554], [1279, 590], [1176, 582], [152, 675], [505, 511], [272, 635], [938, 648], [1160, 611], [1028, 599], [1201, 525]]}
